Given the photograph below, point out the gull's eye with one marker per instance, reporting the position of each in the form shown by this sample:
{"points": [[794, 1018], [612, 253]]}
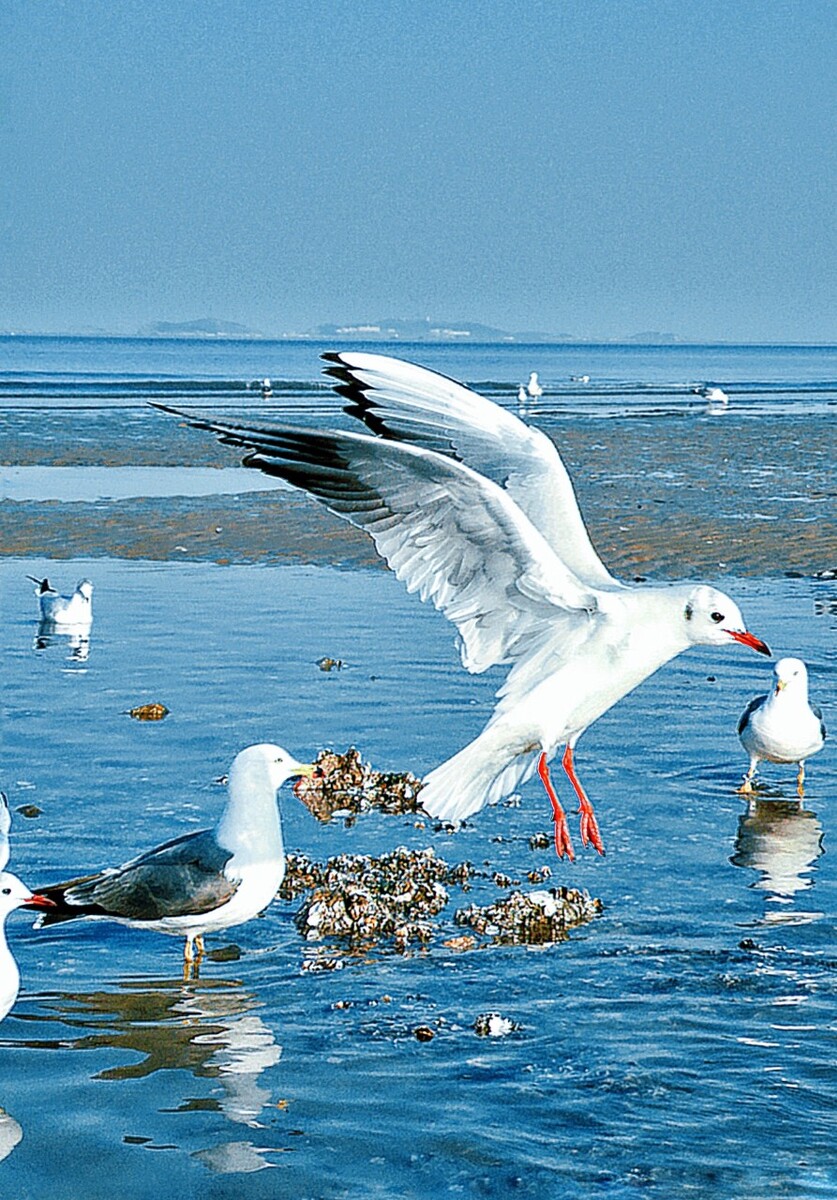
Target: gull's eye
{"points": [[7, 891], [717, 617]]}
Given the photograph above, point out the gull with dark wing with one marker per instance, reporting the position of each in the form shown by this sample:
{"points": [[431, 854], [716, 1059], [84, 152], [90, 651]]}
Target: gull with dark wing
{"points": [[56, 609], [781, 726], [474, 510], [13, 894], [200, 882]]}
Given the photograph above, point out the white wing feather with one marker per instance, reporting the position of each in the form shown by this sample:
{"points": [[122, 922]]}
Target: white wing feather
{"points": [[449, 534], [412, 404]]}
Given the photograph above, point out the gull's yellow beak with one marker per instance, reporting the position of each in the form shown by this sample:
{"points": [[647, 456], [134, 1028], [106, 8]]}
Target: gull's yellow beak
{"points": [[781, 684]]}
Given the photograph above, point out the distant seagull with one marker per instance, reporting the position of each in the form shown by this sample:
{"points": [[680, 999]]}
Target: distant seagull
{"points": [[522, 395], [782, 727], [13, 894], [580, 378], [499, 546], [533, 387], [712, 393], [267, 389], [64, 610], [200, 882]]}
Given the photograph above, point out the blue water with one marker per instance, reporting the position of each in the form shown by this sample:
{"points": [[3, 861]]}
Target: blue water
{"points": [[681, 1044], [91, 372], [656, 1056]]}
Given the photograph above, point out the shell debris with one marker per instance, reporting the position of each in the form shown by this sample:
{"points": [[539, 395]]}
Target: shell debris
{"points": [[532, 919], [365, 900], [148, 712], [345, 785]]}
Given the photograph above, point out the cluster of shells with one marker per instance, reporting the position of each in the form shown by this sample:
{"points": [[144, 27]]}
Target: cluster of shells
{"points": [[345, 785], [396, 898], [365, 900], [531, 918]]}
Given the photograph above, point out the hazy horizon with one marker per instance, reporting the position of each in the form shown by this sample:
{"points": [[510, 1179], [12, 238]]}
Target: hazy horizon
{"points": [[587, 169]]}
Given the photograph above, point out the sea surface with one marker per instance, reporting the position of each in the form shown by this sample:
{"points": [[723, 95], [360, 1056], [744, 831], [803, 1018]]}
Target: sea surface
{"points": [[681, 1044]]}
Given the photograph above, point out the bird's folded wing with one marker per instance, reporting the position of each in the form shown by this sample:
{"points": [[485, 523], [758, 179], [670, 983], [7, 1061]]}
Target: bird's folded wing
{"points": [[754, 705], [448, 533], [180, 878], [399, 400], [5, 825]]}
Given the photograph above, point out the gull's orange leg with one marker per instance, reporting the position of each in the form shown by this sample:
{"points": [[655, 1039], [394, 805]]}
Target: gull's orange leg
{"points": [[563, 842], [589, 825]]}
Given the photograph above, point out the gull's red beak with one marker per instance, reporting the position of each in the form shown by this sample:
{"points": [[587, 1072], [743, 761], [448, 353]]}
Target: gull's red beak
{"points": [[750, 639], [36, 900]]}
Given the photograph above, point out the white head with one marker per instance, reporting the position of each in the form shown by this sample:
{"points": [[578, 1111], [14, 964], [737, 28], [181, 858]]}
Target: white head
{"points": [[791, 673], [265, 763], [85, 588], [712, 619], [14, 894]]}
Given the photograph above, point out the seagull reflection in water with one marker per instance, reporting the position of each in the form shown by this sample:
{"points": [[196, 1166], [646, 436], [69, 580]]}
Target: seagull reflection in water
{"points": [[209, 1030], [76, 638], [781, 840]]}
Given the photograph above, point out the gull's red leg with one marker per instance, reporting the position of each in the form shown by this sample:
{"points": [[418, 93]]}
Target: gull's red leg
{"points": [[563, 842], [589, 825]]}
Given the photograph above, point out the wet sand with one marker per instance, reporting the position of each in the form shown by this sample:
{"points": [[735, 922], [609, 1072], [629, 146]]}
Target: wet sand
{"points": [[663, 499]]}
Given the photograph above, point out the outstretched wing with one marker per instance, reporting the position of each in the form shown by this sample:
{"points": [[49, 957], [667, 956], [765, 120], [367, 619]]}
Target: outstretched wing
{"points": [[5, 826], [448, 533], [399, 400], [181, 878]]}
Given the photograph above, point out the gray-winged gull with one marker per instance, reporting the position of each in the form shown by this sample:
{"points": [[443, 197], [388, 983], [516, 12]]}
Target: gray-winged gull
{"points": [[474, 509], [781, 726], [203, 881]]}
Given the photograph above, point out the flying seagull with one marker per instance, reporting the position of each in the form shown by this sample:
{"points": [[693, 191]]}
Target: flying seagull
{"points": [[782, 727], [200, 882], [13, 894], [473, 509], [64, 610]]}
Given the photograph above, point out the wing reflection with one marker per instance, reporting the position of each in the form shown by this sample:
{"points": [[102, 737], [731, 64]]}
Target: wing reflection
{"points": [[781, 840], [76, 638], [10, 1134]]}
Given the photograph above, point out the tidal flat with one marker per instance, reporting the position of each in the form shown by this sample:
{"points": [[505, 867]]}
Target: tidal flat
{"points": [[680, 1043]]}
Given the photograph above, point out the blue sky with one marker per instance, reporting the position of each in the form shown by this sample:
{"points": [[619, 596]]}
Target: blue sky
{"points": [[597, 167]]}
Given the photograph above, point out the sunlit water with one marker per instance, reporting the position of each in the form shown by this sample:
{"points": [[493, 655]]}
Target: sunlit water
{"points": [[682, 1044]]}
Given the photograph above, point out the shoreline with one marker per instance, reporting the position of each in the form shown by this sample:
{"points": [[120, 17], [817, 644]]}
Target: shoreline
{"points": [[667, 499]]}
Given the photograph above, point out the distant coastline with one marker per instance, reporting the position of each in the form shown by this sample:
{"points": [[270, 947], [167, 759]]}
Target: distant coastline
{"points": [[392, 332]]}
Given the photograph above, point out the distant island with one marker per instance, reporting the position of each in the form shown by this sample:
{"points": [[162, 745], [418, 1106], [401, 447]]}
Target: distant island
{"points": [[394, 329]]}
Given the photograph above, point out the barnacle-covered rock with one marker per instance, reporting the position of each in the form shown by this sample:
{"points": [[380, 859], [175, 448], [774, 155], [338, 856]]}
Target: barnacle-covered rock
{"points": [[344, 784], [148, 712], [364, 900], [533, 918]]}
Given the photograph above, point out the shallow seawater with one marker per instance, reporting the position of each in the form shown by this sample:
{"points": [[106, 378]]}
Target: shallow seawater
{"points": [[683, 1043]]}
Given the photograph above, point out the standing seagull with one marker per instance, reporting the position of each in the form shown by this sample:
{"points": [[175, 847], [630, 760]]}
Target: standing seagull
{"points": [[64, 610], [533, 387], [202, 881], [13, 894], [782, 727], [500, 548]]}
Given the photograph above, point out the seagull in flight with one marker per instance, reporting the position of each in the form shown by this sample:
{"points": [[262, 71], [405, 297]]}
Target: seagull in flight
{"points": [[200, 882], [64, 610], [781, 726], [473, 509]]}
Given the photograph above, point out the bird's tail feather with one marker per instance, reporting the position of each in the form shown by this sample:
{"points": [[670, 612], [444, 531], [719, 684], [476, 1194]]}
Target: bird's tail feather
{"points": [[478, 774]]}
